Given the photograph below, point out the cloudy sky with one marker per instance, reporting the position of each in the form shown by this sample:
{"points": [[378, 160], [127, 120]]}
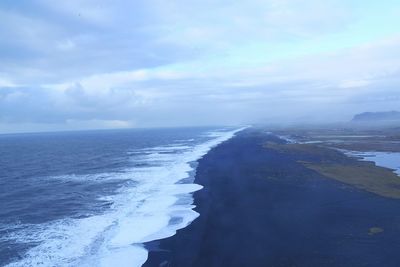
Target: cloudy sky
{"points": [[80, 64]]}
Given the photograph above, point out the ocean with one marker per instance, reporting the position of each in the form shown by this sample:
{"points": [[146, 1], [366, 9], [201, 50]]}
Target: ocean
{"points": [[93, 198]]}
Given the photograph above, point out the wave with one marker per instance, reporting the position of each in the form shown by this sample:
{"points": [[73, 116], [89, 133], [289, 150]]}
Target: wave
{"points": [[154, 208]]}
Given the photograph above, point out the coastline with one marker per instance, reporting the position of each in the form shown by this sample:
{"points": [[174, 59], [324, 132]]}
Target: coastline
{"points": [[147, 197], [260, 207]]}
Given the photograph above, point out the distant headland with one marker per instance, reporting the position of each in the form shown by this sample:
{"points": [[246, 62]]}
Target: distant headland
{"points": [[387, 116]]}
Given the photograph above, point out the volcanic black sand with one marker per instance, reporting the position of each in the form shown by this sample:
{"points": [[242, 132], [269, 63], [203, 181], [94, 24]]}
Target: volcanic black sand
{"points": [[261, 207]]}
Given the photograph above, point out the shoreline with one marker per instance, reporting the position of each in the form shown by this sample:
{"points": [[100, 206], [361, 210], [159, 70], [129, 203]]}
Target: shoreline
{"points": [[260, 207], [147, 197]]}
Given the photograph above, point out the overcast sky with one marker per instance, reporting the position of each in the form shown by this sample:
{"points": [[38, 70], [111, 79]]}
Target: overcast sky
{"points": [[77, 64]]}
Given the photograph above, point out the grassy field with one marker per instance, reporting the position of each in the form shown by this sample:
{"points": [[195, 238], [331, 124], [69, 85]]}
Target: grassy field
{"points": [[348, 138], [334, 164]]}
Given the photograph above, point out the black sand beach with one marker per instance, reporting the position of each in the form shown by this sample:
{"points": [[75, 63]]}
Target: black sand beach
{"points": [[261, 207]]}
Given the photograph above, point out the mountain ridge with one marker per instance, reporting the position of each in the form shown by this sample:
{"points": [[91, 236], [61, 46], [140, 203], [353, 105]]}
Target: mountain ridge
{"points": [[384, 116]]}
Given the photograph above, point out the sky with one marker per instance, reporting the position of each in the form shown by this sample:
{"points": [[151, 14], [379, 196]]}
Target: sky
{"points": [[96, 64]]}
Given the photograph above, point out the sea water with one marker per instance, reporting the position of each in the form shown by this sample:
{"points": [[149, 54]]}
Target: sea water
{"points": [[93, 198]]}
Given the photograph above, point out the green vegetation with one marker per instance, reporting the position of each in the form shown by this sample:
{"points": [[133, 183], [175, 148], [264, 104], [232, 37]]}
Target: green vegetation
{"points": [[371, 178], [375, 230], [348, 138], [336, 165]]}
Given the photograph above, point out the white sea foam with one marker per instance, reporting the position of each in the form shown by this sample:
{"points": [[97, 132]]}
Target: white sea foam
{"points": [[148, 211], [288, 139], [95, 177]]}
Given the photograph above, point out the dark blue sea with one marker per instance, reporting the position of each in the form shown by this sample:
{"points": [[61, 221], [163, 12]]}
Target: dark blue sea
{"points": [[93, 198]]}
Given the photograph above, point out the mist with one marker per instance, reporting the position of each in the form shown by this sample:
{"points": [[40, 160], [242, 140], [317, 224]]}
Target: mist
{"points": [[101, 65]]}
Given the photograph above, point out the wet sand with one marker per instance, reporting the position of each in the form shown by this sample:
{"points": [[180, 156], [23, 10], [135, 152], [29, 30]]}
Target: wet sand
{"points": [[261, 207]]}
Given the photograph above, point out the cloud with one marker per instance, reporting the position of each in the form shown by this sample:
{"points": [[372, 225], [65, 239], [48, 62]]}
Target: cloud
{"points": [[6, 83], [76, 39], [99, 124], [168, 63], [354, 83], [81, 38]]}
